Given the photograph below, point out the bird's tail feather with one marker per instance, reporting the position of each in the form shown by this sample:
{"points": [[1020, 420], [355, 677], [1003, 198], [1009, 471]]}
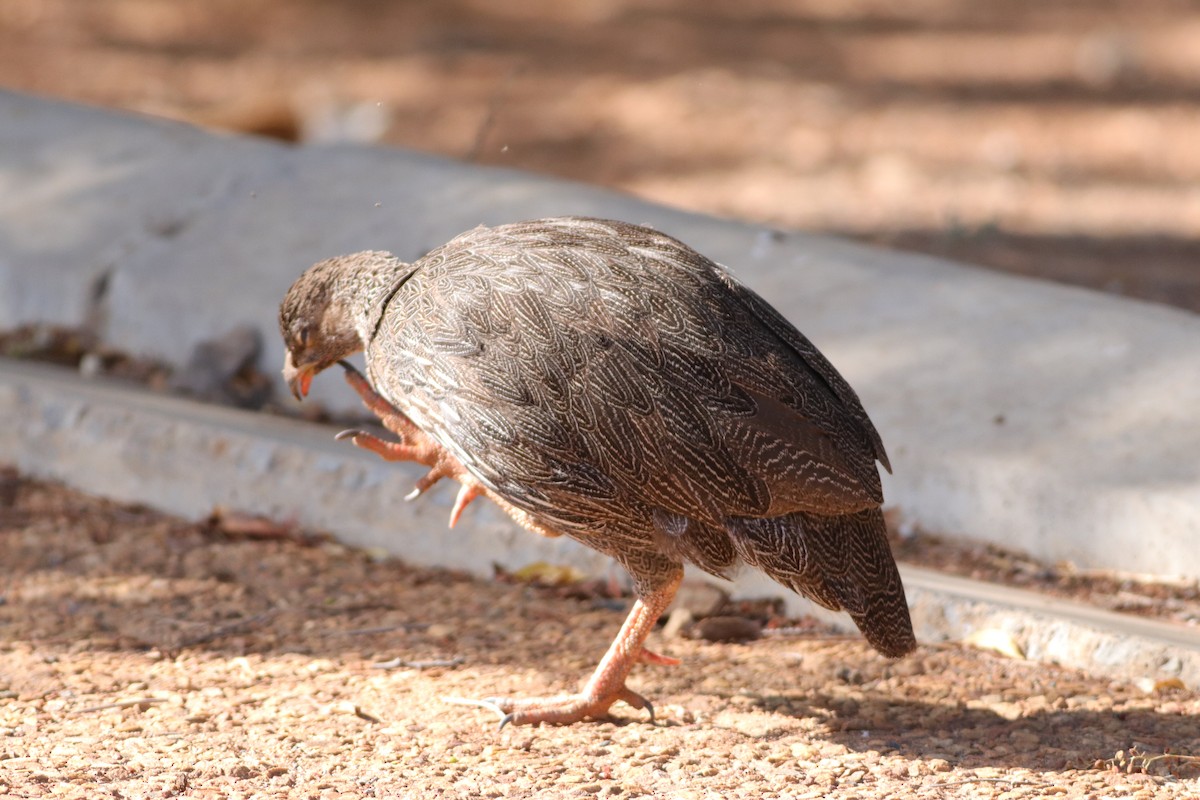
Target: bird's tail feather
{"points": [[841, 562]]}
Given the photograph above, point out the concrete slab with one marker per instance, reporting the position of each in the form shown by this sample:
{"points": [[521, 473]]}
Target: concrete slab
{"points": [[1050, 419], [81, 190], [186, 458]]}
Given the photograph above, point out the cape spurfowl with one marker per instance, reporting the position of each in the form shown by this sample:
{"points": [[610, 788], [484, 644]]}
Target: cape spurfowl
{"points": [[603, 381]]}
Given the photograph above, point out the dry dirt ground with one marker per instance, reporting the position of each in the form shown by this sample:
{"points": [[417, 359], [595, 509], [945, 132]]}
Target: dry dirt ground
{"points": [[1047, 138], [146, 656]]}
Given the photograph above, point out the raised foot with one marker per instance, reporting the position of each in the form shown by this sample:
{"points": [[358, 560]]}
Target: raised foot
{"points": [[564, 709], [388, 451], [440, 468]]}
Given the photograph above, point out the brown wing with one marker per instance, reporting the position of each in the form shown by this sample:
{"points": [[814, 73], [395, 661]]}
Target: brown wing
{"points": [[853, 419], [588, 369]]}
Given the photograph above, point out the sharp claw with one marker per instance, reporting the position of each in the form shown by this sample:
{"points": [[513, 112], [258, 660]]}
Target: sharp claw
{"points": [[507, 719], [466, 494], [429, 479], [484, 703], [348, 434], [650, 657], [636, 700]]}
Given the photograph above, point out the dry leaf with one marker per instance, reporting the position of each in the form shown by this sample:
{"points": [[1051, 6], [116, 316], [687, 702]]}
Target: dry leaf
{"points": [[1152, 686], [997, 641], [249, 526], [544, 574]]}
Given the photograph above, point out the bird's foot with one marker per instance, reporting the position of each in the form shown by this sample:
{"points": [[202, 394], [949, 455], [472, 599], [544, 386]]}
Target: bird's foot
{"points": [[469, 490], [592, 703], [441, 468], [371, 399], [607, 684], [435, 474], [388, 451], [564, 709]]}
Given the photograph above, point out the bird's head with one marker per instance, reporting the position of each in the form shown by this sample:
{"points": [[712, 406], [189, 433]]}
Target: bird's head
{"points": [[324, 315]]}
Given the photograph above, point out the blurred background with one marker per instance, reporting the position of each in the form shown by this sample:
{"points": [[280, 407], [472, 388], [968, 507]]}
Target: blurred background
{"points": [[1057, 138]]}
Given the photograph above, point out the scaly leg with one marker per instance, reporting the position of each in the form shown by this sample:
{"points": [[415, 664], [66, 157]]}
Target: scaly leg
{"points": [[607, 684], [391, 417]]}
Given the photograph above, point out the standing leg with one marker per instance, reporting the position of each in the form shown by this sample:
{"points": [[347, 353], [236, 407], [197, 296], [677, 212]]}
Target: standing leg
{"points": [[607, 684]]}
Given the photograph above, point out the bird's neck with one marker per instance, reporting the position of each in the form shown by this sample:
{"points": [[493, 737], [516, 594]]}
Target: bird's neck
{"points": [[374, 285]]}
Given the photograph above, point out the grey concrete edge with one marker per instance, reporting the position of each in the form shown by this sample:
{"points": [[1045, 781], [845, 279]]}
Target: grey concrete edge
{"points": [[186, 458], [1050, 419]]}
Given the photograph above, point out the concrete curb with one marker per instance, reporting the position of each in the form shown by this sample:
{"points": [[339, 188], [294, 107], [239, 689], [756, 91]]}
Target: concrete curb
{"points": [[185, 458], [1054, 420]]}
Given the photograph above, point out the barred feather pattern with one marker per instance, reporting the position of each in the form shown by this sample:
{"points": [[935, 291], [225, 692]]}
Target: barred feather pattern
{"points": [[626, 391]]}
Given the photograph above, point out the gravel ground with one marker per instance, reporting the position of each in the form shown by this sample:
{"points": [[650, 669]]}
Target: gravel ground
{"points": [[145, 656]]}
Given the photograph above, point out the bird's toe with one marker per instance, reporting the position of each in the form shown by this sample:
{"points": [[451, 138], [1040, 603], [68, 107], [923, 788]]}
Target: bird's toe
{"points": [[564, 709]]}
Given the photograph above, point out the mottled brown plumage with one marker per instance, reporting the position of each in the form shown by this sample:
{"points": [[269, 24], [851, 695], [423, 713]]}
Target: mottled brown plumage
{"points": [[604, 381]]}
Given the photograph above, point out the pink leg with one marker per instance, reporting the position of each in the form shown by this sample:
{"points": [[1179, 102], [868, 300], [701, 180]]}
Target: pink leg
{"points": [[392, 419], [607, 684]]}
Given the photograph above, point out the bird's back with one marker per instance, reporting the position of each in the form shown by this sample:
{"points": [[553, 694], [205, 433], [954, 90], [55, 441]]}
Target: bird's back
{"points": [[627, 391]]}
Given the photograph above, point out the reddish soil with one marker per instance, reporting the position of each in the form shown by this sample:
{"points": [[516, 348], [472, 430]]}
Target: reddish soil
{"points": [[147, 656], [1055, 139]]}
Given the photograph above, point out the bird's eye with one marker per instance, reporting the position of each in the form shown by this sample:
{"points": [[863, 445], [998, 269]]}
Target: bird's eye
{"points": [[305, 337]]}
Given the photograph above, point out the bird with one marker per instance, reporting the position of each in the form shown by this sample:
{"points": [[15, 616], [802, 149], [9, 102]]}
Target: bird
{"points": [[604, 381]]}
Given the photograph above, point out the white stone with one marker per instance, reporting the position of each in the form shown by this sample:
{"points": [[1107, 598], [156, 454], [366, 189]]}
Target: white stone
{"points": [[1053, 420]]}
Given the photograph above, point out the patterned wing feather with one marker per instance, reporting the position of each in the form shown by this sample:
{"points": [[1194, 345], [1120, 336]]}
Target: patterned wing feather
{"points": [[625, 390]]}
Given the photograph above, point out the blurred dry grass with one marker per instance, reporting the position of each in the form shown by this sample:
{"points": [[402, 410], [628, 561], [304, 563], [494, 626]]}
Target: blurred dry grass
{"points": [[1047, 138]]}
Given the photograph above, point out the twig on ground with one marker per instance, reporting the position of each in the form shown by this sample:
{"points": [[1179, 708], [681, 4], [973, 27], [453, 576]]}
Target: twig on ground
{"points": [[489, 117], [407, 627], [368, 716], [221, 631], [137, 701], [1136, 761], [397, 663], [1010, 781]]}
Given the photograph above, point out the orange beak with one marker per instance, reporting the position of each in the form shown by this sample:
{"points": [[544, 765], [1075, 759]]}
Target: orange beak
{"points": [[298, 378]]}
